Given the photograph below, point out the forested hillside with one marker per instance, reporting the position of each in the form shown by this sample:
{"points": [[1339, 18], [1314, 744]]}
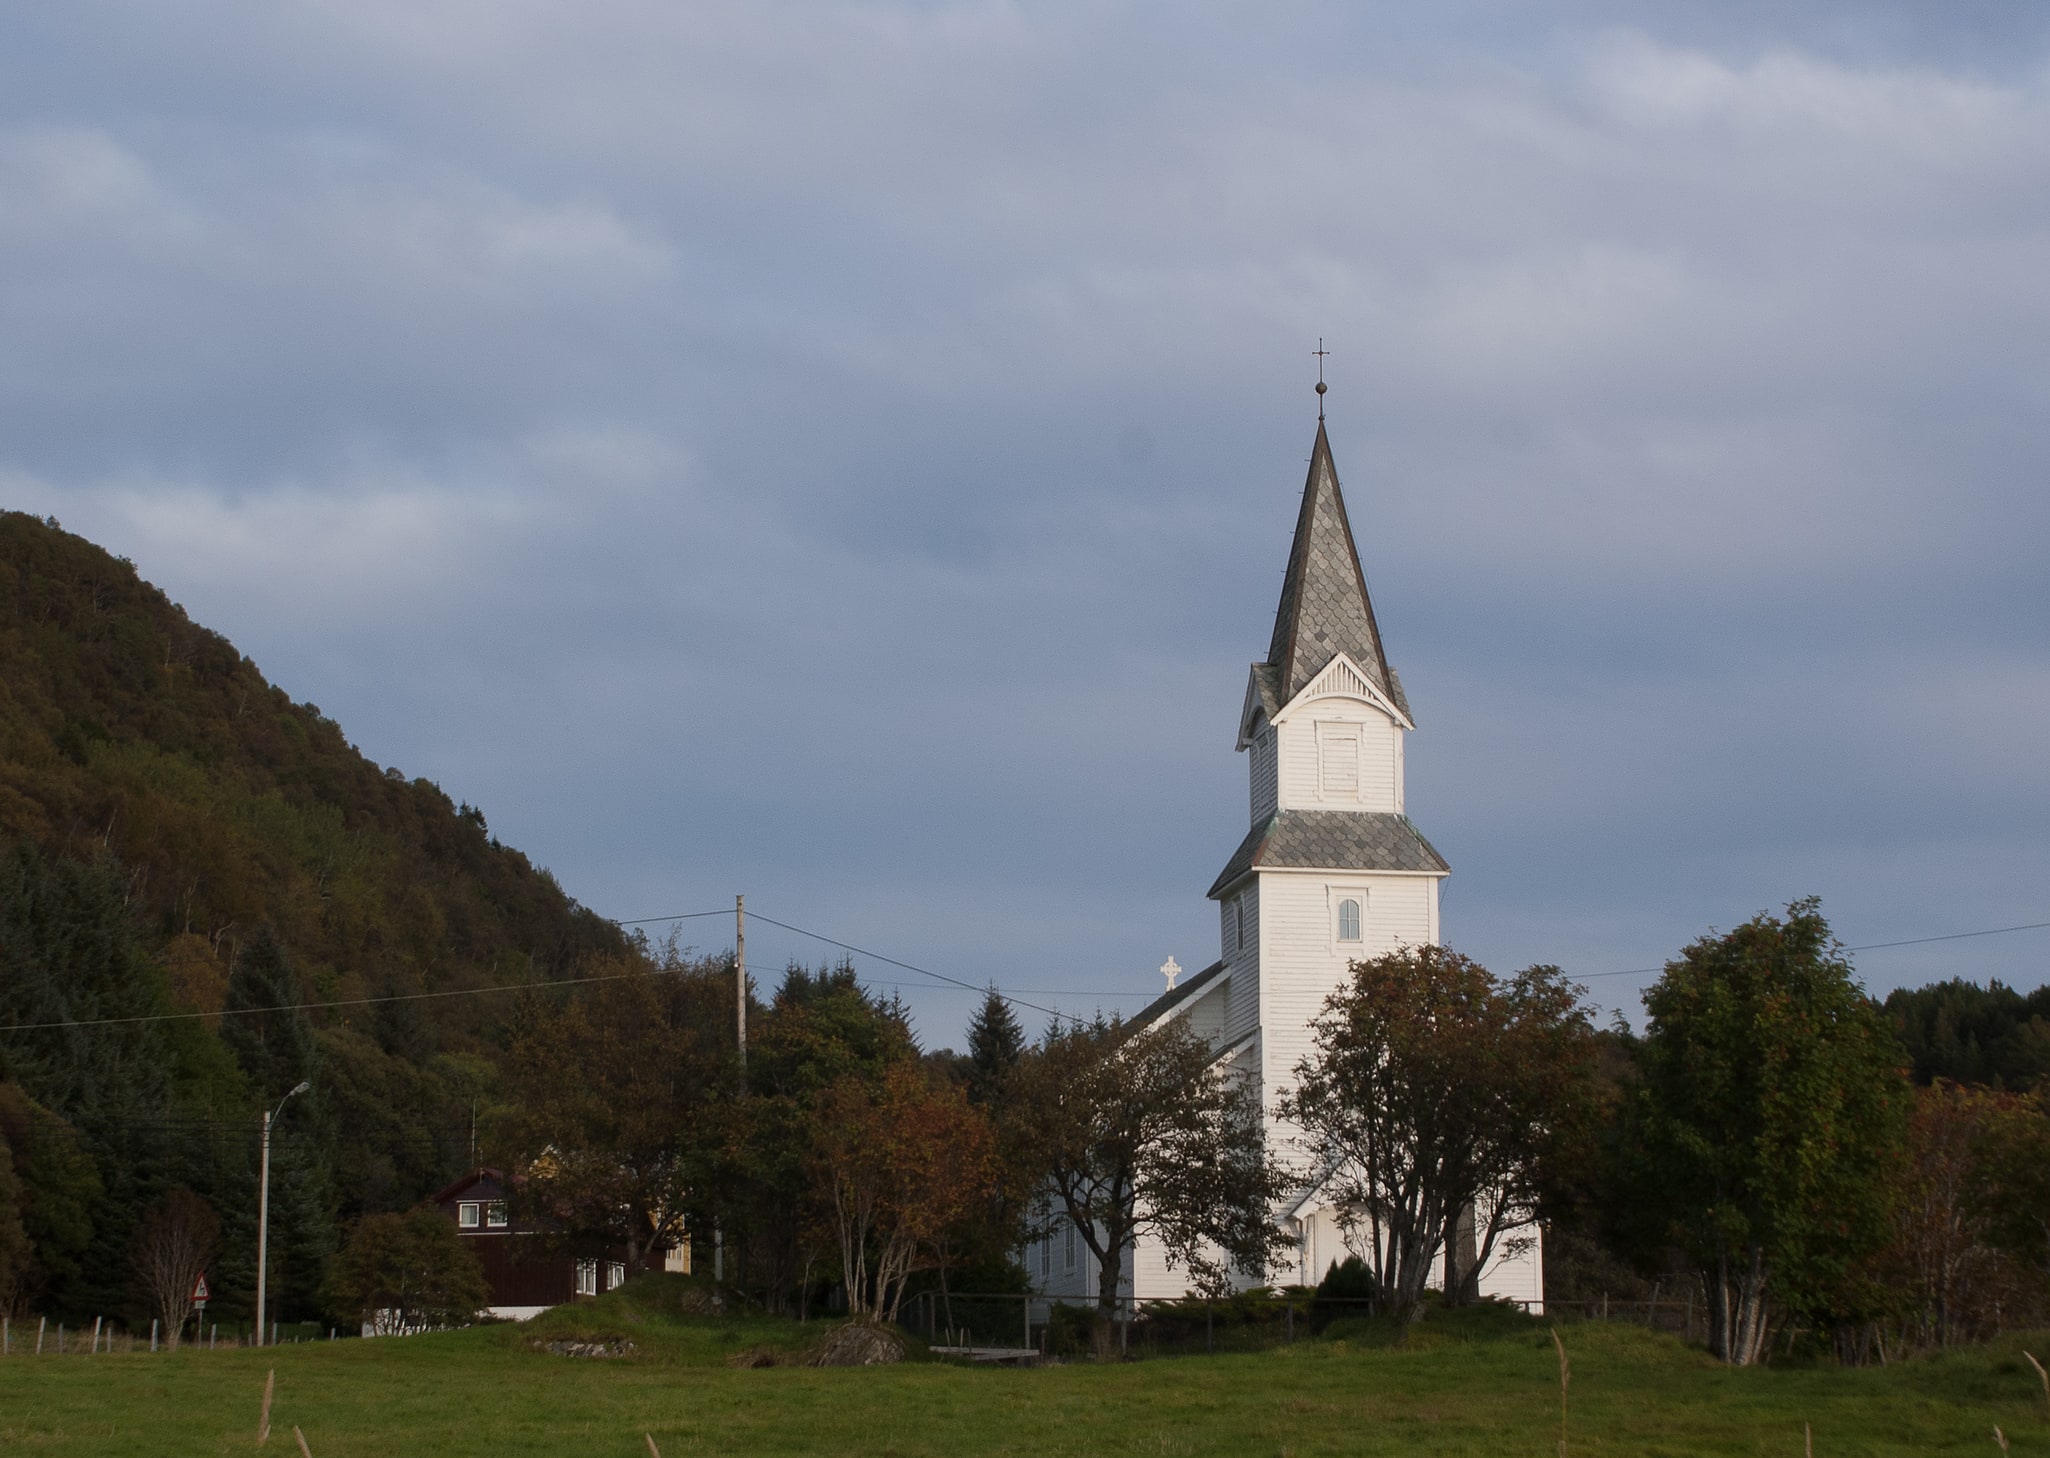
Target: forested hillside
{"points": [[178, 836], [129, 729]]}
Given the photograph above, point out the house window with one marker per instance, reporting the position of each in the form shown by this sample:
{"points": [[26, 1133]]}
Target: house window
{"points": [[1068, 1255], [615, 1275], [587, 1278], [466, 1215], [1348, 920], [494, 1215]]}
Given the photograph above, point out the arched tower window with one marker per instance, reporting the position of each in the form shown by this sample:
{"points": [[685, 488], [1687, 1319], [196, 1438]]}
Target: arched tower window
{"points": [[1348, 920]]}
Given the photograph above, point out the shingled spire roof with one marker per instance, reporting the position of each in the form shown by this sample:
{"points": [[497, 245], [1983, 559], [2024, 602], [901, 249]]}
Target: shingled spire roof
{"points": [[1324, 606]]}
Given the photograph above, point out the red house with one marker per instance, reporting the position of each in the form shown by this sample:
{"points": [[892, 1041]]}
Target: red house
{"points": [[527, 1274]]}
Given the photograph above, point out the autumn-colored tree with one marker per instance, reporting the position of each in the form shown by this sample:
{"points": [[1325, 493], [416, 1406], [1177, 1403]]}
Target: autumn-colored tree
{"points": [[401, 1273], [621, 1096], [1436, 1095], [902, 1162], [1952, 1280], [1771, 1113], [1138, 1131]]}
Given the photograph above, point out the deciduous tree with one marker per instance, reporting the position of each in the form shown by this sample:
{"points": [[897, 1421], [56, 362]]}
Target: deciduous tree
{"points": [[622, 1096], [2010, 1191], [1951, 1279], [400, 1273], [1437, 1093], [903, 1162], [1139, 1131], [174, 1242], [1772, 1108]]}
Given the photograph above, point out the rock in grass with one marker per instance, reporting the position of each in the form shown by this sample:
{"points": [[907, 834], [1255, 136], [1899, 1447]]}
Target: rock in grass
{"points": [[859, 1344], [617, 1347]]}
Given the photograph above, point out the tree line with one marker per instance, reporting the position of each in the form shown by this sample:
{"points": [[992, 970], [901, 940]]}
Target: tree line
{"points": [[1763, 1142]]}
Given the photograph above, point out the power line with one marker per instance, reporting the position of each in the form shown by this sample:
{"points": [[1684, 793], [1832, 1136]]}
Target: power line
{"points": [[679, 916], [1991, 931], [231, 1012], [921, 971]]}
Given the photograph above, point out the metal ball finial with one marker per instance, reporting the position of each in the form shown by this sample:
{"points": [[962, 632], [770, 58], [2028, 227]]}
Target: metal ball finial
{"points": [[1322, 387]]}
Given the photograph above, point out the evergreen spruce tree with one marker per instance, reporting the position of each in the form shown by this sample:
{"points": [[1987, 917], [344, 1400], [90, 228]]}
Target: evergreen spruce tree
{"points": [[263, 1025], [70, 961], [272, 1041], [996, 1042]]}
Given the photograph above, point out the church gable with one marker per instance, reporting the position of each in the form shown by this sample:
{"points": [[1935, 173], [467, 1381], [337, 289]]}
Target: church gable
{"points": [[1342, 678]]}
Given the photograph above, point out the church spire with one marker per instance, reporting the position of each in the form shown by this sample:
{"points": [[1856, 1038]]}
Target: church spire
{"points": [[1324, 608]]}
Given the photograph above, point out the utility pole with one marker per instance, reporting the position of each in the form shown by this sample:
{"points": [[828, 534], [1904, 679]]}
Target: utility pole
{"points": [[740, 976], [740, 1042], [263, 1209]]}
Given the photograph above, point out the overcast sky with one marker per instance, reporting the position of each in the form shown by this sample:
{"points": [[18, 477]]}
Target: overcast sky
{"points": [[846, 454]]}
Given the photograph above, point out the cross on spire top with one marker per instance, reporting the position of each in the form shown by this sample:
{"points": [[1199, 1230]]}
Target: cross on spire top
{"points": [[1320, 351]]}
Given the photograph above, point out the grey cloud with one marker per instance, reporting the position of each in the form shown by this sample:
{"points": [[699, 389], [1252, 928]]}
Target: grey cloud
{"points": [[847, 453]]}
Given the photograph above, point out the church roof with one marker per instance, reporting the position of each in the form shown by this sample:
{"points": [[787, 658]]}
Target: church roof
{"points": [[1324, 605], [1331, 840], [1180, 993]]}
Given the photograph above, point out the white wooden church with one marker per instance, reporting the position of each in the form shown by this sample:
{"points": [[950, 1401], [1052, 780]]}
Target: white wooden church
{"points": [[1330, 872]]}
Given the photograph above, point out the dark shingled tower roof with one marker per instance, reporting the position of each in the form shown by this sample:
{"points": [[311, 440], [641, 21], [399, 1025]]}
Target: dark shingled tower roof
{"points": [[1324, 606]]}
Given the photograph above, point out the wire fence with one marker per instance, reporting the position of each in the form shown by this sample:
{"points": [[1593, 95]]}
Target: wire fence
{"points": [[1025, 1328], [42, 1337], [1038, 1327]]}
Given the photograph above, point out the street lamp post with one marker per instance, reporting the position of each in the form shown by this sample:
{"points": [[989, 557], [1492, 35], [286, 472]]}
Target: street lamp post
{"points": [[263, 1210]]}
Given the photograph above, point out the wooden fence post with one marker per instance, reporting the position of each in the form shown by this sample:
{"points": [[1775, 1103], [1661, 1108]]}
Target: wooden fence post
{"points": [[41, 1322]]}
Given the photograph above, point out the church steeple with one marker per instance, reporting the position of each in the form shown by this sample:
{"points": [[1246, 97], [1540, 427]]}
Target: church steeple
{"points": [[1324, 608]]}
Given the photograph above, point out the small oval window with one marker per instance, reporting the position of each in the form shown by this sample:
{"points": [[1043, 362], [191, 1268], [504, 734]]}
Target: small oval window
{"points": [[1348, 920]]}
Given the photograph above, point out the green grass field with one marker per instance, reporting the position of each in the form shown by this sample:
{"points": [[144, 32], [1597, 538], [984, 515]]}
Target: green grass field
{"points": [[1485, 1388]]}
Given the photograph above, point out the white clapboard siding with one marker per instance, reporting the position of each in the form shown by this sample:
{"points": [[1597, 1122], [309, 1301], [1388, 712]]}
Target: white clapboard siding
{"points": [[1301, 778], [1519, 1276], [1241, 998], [1265, 786], [1302, 962]]}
